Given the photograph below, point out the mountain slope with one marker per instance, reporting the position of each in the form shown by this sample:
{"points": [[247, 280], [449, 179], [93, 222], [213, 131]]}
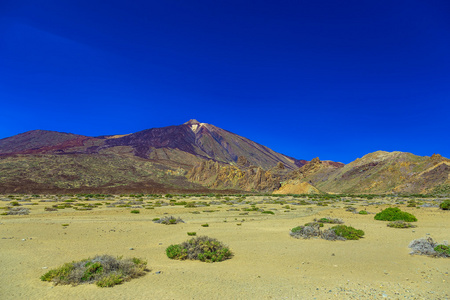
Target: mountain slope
{"points": [[202, 140], [383, 172], [36, 141]]}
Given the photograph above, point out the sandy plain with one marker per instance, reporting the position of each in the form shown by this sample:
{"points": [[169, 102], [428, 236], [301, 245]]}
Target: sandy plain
{"points": [[267, 262]]}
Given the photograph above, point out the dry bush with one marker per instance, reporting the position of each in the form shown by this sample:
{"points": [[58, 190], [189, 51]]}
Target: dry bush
{"points": [[427, 246], [306, 231], [331, 235], [18, 211], [336, 233], [168, 220], [400, 224], [329, 220]]}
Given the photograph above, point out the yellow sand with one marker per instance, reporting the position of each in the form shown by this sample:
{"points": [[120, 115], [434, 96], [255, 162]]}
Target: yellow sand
{"points": [[297, 187], [268, 263]]}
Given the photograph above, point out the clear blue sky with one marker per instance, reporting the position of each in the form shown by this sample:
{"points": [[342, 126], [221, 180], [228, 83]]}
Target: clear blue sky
{"points": [[334, 79]]}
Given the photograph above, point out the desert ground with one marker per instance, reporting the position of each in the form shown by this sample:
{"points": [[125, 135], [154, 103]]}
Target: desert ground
{"points": [[267, 264]]}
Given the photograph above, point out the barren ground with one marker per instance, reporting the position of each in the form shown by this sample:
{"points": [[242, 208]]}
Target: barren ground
{"points": [[268, 263]]}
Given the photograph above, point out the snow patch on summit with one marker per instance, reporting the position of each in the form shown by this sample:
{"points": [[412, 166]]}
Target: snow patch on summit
{"points": [[196, 127]]}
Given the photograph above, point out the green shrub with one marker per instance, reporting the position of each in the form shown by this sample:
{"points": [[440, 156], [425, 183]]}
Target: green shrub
{"points": [[268, 212], [394, 214], [176, 252], [200, 248], [400, 224], [205, 225], [346, 232], [443, 250], [314, 224], [192, 233], [445, 205], [411, 203], [329, 220], [104, 270], [135, 211], [110, 280], [59, 274], [363, 212]]}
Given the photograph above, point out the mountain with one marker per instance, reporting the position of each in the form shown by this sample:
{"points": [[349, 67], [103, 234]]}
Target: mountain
{"points": [[155, 159], [189, 143], [379, 172], [204, 141]]}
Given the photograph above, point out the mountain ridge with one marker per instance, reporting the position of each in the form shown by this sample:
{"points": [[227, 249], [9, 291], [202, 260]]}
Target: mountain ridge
{"points": [[202, 140], [200, 156], [57, 161]]}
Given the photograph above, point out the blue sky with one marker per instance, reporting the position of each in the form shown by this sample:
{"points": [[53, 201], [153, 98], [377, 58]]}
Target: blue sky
{"points": [[333, 79]]}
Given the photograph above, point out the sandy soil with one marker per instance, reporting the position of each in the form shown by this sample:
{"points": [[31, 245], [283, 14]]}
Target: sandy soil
{"points": [[268, 263]]}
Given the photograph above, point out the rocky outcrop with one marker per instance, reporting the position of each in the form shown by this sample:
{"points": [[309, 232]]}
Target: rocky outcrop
{"points": [[296, 187], [313, 167], [215, 175]]}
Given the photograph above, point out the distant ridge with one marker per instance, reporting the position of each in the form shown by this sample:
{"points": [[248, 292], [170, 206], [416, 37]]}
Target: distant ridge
{"points": [[381, 172]]}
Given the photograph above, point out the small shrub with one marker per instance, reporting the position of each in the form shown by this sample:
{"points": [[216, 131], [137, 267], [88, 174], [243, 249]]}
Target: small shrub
{"points": [[329, 220], [18, 211], [104, 270], [394, 214], [205, 225], [305, 232], [363, 212], [14, 203], [445, 205], [192, 233], [341, 232], [400, 224], [135, 211], [427, 246], [268, 212], [168, 220], [200, 248], [411, 203], [50, 209], [314, 224], [350, 209]]}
